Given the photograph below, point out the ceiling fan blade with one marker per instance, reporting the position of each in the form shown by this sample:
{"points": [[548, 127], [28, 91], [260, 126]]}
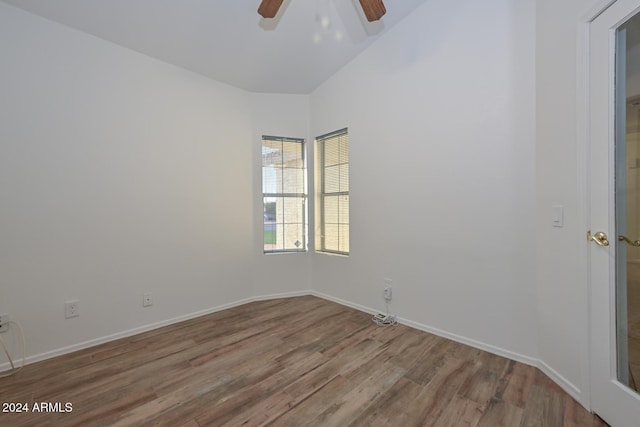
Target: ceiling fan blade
{"points": [[269, 8], [373, 9]]}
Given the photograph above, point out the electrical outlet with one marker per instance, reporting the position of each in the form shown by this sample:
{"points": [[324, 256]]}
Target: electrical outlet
{"points": [[388, 289], [4, 322], [147, 299], [71, 309]]}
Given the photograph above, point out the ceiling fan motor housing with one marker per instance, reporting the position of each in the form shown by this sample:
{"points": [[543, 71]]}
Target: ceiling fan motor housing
{"points": [[373, 9]]}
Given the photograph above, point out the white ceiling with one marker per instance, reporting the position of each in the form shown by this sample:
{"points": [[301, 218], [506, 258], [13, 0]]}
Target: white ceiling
{"points": [[228, 41]]}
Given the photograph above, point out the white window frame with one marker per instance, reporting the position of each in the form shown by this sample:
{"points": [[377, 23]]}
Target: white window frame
{"points": [[323, 194], [280, 194]]}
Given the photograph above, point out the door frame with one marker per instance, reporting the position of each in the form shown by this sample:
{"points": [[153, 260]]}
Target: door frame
{"points": [[583, 122]]}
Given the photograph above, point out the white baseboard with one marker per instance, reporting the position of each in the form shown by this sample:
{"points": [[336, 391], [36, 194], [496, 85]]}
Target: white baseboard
{"points": [[140, 329], [344, 302], [435, 331], [566, 385], [472, 343]]}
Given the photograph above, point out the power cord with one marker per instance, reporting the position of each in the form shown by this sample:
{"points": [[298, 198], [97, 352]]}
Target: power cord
{"points": [[385, 320], [6, 351], [382, 320]]}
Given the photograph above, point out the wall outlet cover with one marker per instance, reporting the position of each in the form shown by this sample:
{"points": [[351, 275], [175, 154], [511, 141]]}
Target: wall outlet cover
{"points": [[147, 299], [71, 309]]}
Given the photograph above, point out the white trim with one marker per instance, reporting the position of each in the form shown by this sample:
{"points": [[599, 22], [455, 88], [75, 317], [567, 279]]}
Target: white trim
{"points": [[559, 379], [583, 196], [439, 332], [280, 295], [596, 10], [472, 343], [564, 383], [140, 329], [344, 302], [583, 200]]}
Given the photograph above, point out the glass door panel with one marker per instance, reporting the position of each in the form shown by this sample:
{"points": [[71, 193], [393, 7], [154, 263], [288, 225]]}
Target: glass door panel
{"points": [[627, 201]]}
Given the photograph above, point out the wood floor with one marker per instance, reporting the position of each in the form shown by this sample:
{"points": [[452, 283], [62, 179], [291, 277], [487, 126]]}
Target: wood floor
{"points": [[288, 362]]}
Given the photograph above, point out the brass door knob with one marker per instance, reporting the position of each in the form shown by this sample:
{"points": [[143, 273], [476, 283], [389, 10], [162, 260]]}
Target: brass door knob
{"points": [[599, 237], [629, 241]]}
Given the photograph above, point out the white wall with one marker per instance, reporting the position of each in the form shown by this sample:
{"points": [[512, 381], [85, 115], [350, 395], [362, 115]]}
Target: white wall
{"points": [[119, 174], [441, 117]]}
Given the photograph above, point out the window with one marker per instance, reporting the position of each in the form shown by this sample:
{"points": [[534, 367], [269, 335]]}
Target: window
{"points": [[333, 151], [284, 191]]}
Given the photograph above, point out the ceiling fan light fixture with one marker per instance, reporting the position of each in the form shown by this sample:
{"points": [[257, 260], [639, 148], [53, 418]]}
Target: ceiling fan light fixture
{"points": [[373, 9], [324, 22], [269, 8]]}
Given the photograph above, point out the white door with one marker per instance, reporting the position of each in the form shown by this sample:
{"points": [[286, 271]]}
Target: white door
{"points": [[614, 247]]}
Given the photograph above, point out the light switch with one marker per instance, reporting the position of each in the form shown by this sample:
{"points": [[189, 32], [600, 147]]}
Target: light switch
{"points": [[557, 216]]}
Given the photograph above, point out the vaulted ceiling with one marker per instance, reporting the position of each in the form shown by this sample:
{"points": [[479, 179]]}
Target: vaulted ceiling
{"points": [[306, 43]]}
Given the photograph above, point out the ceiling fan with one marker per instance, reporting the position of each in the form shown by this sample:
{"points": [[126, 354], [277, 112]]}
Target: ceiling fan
{"points": [[373, 9]]}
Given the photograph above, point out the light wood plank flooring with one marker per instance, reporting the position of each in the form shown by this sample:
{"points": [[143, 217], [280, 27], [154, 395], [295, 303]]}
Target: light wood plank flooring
{"points": [[289, 362]]}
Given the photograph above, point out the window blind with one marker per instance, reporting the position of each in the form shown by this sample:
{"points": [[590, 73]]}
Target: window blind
{"points": [[334, 194]]}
